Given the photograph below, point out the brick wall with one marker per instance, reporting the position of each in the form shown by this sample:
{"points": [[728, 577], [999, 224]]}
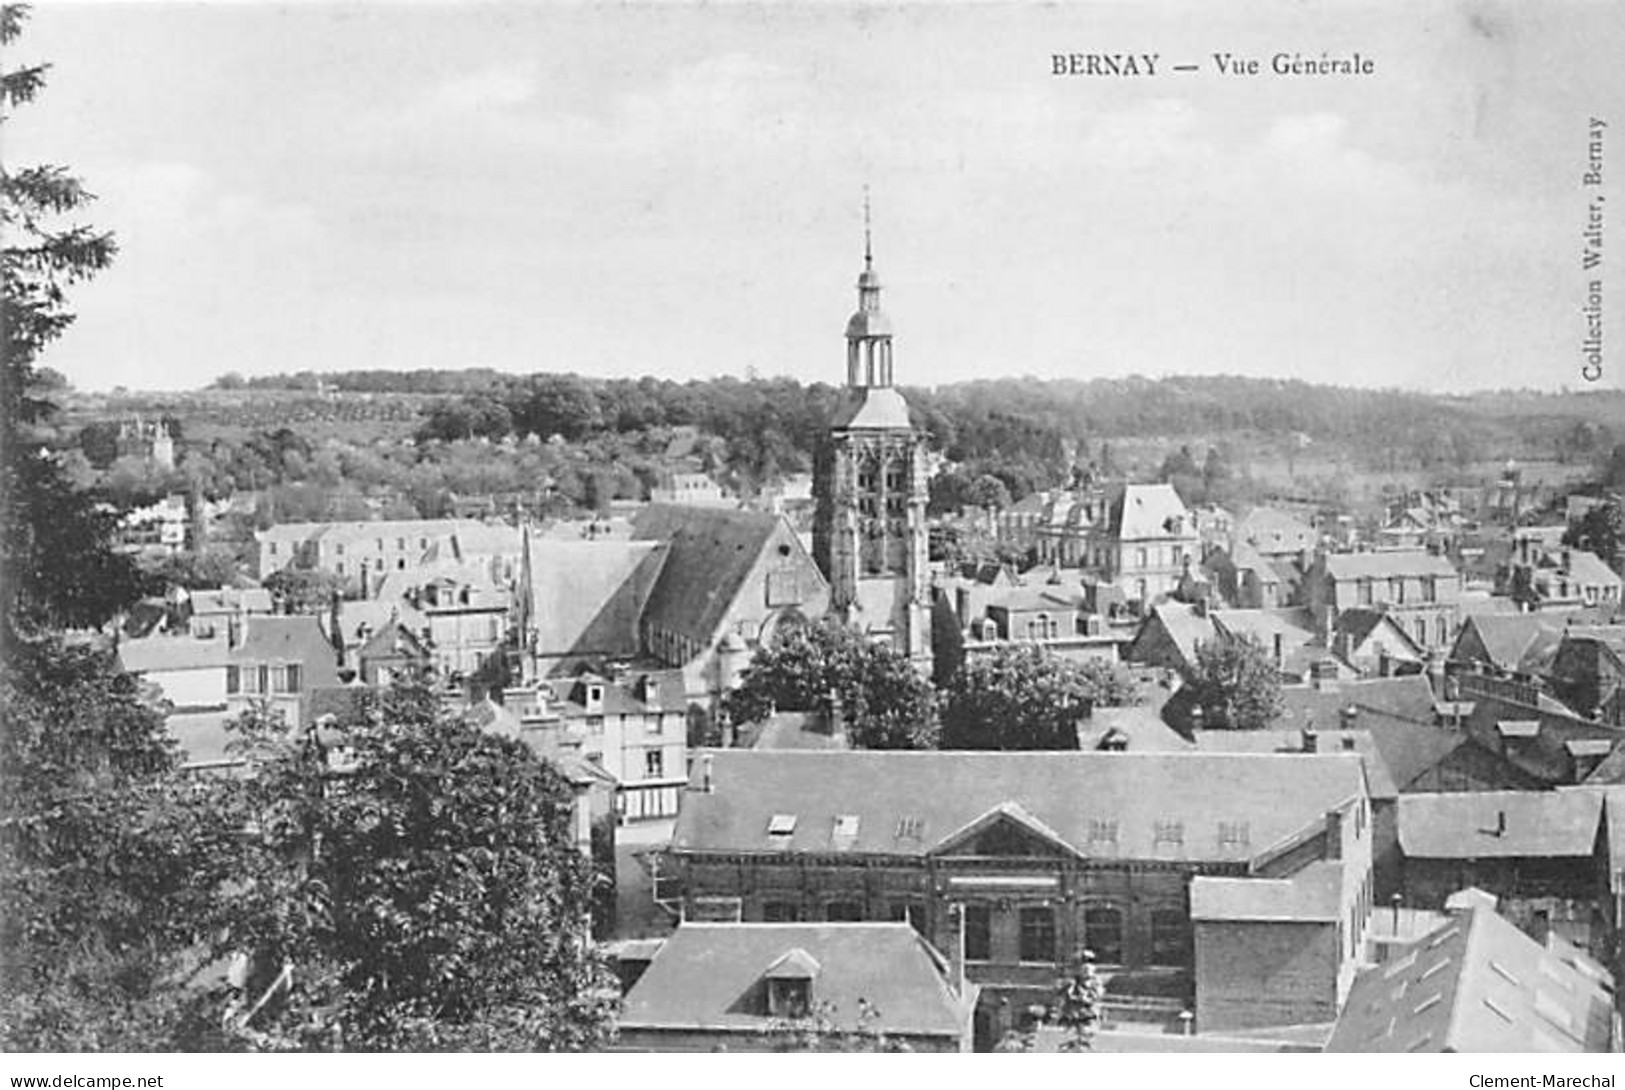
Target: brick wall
{"points": [[1252, 974]]}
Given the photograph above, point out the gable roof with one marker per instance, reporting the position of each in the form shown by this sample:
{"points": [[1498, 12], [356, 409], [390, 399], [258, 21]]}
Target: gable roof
{"points": [[1141, 511], [712, 553], [1478, 984], [711, 976], [1359, 623], [587, 596], [1265, 522], [1386, 565], [159, 654], [1515, 641], [1165, 806], [1499, 824], [267, 638]]}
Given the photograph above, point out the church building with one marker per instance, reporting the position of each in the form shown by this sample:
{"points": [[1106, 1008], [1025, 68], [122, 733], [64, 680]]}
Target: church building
{"points": [[869, 485]]}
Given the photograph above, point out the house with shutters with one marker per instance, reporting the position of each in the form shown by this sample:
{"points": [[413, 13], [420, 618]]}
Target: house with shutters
{"points": [[1141, 858]]}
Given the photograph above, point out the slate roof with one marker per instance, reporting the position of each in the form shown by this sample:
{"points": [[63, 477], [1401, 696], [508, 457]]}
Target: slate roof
{"points": [[289, 639], [1523, 642], [1464, 824], [1408, 697], [1587, 569], [1478, 984], [1310, 896], [1386, 564], [1261, 524], [790, 730], [229, 600], [1146, 511], [875, 407], [587, 596], [907, 803], [1358, 624], [712, 976], [159, 654], [712, 553]]}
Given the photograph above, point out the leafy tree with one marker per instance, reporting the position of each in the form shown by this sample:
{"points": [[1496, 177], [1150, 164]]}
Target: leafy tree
{"points": [[304, 590], [411, 882], [989, 492], [1235, 683], [194, 570], [1076, 1009], [1021, 696], [885, 702], [1600, 530], [55, 567], [110, 861]]}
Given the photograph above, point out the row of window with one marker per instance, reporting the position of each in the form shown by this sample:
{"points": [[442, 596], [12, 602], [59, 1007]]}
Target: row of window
{"points": [[1103, 929], [1365, 590], [264, 678]]}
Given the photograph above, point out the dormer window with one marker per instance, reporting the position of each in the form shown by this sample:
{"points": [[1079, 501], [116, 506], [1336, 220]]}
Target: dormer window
{"points": [[781, 825], [595, 698], [790, 985]]}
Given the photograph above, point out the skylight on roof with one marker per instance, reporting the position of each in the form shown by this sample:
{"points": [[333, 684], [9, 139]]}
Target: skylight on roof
{"points": [[1492, 1005], [1552, 1009], [846, 825], [781, 825], [1444, 936], [910, 828], [1553, 972], [1434, 968], [1503, 972], [1431, 1001], [1402, 964]]}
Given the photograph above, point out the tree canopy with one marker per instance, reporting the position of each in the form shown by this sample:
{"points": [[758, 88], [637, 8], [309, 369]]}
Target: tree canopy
{"points": [[885, 702], [1022, 696], [1235, 683]]}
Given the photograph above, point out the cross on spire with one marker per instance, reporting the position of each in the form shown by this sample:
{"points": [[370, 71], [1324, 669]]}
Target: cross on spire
{"points": [[868, 253]]}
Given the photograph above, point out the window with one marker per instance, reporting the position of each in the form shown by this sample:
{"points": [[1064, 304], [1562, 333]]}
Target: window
{"points": [[291, 678], [264, 678], [1102, 831], [910, 828], [1232, 834], [1038, 933], [788, 998], [654, 764], [1103, 933], [1168, 935], [400, 544], [1363, 592], [1430, 589], [595, 723], [978, 933], [1169, 832], [780, 912], [234, 679], [273, 548], [1422, 631], [843, 912]]}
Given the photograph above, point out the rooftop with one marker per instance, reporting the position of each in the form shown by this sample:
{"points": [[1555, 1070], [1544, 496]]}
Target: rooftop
{"points": [[710, 976], [1499, 824]]}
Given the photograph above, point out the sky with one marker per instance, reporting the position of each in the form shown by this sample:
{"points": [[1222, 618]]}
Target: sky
{"points": [[677, 190]]}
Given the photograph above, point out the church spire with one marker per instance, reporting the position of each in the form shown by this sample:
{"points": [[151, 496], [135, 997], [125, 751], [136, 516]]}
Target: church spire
{"points": [[868, 333]]}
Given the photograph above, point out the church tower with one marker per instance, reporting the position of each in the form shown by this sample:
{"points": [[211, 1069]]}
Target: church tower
{"points": [[869, 482]]}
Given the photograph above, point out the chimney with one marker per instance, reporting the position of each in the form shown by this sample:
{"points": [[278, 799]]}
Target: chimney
{"points": [[1311, 739], [1334, 835], [1500, 823], [837, 720], [956, 948], [705, 773], [1350, 717], [1568, 558], [1277, 646]]}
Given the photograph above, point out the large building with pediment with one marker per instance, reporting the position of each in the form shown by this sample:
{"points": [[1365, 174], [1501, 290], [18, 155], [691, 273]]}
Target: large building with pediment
{"points": [[1235, 886]]}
